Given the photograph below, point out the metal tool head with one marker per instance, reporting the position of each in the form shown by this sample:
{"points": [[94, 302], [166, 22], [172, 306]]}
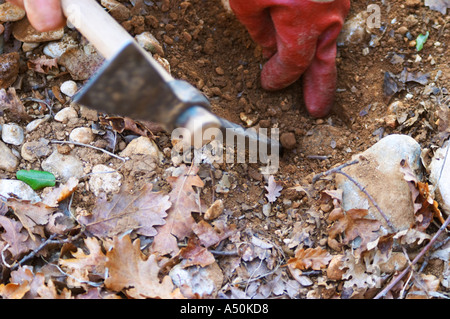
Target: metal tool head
{"points": [[132, 84]]}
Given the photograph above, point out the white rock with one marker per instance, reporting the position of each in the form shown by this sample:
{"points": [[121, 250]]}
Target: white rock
{"points": [[63, 166], [104, 179], [12, 134], [354, 30], [35, 123], [440, 176], [8, 161], [149, 43], [33, 150], [379, 172], [29, 46], [82, 135], [19, 189], [56, 49], [10, 12], [66, 114], [142, 146], [69, 88]]}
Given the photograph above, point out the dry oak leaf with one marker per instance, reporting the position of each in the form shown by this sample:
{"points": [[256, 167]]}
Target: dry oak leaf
{"points": [[58, 194], [18, 238], [141, 210], [196, 255], [310, 258], [32, 216], [83, 266], [273, 189], [9, 69], [9, 101], [179, 222], [42, 64], [136, 275], [353, 224]]}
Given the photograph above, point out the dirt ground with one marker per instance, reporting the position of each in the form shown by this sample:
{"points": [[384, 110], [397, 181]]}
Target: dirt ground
{"points": [[206, 46]]}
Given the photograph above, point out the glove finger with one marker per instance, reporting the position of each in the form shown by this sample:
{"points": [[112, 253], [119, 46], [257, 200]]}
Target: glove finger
{"points": [[258, 23], [319, 80]]}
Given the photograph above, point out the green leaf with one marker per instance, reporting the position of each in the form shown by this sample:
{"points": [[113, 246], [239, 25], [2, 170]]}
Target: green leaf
{"points": [[420, 41], [36, 179]]}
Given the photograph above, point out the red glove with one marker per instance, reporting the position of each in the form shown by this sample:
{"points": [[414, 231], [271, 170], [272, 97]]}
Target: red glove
{"points": [[299, 37]]}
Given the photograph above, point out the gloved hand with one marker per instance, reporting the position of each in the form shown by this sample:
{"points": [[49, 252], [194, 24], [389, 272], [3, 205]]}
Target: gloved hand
{"points": [[44, 15], [299, 38]]}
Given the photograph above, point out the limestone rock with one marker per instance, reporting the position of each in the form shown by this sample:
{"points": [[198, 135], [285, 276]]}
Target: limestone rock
{"points": [[24, 31], [440, 176], [63, 166], [10, 12], [379, 172], [104, 179], [12, 134], [19, 189], [8, 161]]}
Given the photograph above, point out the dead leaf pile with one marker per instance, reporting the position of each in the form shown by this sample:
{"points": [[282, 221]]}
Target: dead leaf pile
{"points": [[125, 247]]}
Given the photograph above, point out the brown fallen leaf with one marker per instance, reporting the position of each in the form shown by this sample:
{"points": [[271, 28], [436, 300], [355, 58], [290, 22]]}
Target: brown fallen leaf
{"points": [[58, 194], [83, 266], [42, 64], [131, 272], [425, 207], [17, 238], [210, 236], [179, 222], [353, 224], [120, 124], [33, 216], [310, 258], [141, 210], [9, 69], [196, 255], [10, 102]]}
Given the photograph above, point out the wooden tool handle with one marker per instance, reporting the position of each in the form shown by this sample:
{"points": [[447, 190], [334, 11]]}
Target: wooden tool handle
{"points": [[102, 31]]}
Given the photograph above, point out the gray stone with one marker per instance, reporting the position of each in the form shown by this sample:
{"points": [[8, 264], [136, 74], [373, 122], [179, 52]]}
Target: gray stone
{"points": [[63, 166], [19, 189], [12, 134], [440, 176], [378, 171], [104, 179], [8, 161]]}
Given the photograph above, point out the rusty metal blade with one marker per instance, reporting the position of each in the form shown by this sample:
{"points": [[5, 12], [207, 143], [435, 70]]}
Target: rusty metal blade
{"points": [[130, 85]]}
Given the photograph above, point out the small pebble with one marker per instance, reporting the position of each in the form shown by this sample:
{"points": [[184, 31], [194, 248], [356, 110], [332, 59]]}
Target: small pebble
{"points": [[69, 88], [149, 43], [82, 135], [66, 114], [12, 134], [288, 140], [10, 12]]}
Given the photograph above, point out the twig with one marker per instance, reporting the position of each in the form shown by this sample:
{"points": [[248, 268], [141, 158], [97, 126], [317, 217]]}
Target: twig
{"points": [[34, 252], [338, 170], [90, 146], [415, 260], [362, 189], [333, 170]]}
